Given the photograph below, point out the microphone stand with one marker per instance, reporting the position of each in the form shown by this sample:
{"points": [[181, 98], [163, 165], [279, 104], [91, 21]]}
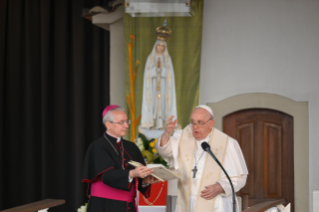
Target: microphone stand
{"points": [[231, 184]]}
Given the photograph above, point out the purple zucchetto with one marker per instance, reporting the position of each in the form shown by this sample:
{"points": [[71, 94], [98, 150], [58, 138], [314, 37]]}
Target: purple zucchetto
{"points": [[108, 108]]}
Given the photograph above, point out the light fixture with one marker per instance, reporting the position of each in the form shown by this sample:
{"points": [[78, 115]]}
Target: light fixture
{"points": [[158, 8]]}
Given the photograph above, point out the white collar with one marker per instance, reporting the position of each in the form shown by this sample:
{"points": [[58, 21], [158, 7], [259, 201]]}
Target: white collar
{"points": [[205, 139], [118, 139]]}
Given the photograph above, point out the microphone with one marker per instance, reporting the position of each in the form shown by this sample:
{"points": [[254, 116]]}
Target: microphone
{"points": [[206, 148]]}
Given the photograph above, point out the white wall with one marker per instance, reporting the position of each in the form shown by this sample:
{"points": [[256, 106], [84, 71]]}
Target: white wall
{"points": [[264, 46], [117, 87]]}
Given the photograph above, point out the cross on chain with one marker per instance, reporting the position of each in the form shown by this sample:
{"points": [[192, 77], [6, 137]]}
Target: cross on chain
{"points": [[194, 170]]}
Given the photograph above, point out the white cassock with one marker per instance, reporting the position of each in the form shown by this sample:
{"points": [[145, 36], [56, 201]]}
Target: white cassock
{"points": [[234, 164]]}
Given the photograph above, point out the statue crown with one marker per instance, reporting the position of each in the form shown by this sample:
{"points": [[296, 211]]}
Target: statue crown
{"points": [[163, 32]]}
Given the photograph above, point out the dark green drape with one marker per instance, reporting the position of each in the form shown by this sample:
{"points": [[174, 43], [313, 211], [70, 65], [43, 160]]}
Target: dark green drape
{"points": [[54, 84], [184, 46]]}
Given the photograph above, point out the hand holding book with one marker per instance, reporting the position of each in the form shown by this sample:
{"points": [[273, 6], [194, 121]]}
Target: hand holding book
{"points": [[150, 180], [141, 172], [159, 171]]}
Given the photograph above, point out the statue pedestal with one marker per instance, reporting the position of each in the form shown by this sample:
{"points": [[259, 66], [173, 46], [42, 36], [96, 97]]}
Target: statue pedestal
{"points": [[171, 198], [157, 197], [150, 134], [155, 133], [172, 187], [163, 195]]}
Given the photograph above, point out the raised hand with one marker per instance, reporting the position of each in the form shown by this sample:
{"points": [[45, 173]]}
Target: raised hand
{"points": [[170, 126]]}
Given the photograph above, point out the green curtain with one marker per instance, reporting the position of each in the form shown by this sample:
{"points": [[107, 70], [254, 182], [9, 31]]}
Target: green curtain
{"points": [[184, 46]]}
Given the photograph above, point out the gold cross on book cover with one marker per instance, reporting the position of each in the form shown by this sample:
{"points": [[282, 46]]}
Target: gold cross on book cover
{"points": [[160, 171]]}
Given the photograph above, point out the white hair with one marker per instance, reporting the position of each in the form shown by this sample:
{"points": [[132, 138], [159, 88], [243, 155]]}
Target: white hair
{"points": [[109, 116]]}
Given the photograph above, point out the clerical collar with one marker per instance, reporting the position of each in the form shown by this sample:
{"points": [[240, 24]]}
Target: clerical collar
{"points": [[118, 139], [205, 139]]}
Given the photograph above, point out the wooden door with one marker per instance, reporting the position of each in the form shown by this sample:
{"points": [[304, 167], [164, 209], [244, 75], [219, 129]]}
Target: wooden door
{"points": [[266, 139]]}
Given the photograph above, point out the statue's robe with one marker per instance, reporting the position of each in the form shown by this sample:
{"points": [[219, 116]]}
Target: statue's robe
{"points": [[159, 98]]}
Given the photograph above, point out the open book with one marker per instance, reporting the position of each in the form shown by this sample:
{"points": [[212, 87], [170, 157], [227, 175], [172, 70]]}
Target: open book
{"points": [[160, 171]]}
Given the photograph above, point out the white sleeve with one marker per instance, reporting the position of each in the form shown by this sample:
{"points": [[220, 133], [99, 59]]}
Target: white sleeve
{"points": [[238, 183], [235, 166], [169, 152]]}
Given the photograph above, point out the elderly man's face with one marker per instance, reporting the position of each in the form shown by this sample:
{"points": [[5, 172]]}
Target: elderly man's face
{"points": [[118, 126], [202, 123]]}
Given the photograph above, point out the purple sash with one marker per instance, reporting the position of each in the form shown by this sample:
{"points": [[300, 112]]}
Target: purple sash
{"points": [[99, 189]]}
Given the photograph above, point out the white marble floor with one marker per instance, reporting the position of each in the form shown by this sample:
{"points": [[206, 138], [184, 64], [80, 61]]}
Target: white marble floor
{"points": [[151, 208]]}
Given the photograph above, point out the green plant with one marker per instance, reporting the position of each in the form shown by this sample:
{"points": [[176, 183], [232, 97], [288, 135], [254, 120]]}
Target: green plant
{"points": [[148, 150]]}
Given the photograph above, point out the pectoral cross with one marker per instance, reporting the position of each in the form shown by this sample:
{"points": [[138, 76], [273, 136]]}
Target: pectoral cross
{"points": [[194, 170]]}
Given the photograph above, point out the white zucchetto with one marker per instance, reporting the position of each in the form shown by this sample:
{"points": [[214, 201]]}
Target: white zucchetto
{"points": [[206, 108]]}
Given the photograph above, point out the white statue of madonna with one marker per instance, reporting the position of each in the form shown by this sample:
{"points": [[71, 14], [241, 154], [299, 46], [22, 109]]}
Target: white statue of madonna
{"points": [[159, 98]]}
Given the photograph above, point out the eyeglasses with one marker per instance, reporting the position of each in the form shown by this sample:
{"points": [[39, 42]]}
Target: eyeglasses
{"points": [[199, 123], [121, 122]]}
